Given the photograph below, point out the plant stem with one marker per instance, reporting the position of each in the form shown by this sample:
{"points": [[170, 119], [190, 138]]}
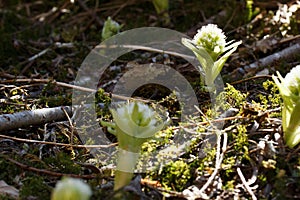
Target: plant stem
{"points": [[125, 168], [123, 179]]}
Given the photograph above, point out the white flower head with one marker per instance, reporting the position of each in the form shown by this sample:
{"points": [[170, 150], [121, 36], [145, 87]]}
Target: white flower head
{"points": [[71, 189], [211, 38], [292, 81], [137, 119]]}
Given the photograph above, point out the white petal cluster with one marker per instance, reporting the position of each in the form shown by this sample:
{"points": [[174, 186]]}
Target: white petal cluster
{"points": [[211, 38]]}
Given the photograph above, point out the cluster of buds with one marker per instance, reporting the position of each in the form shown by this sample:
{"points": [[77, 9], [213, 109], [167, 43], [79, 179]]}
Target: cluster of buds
{"points": [[289, 88], [208, 45]]}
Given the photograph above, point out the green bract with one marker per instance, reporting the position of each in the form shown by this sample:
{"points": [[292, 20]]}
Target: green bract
{"points": [[208, 44], [71, 189], [289, 88]]}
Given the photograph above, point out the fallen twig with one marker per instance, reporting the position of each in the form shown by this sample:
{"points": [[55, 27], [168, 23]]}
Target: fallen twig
{"points": [[195, 193], [249, 190], [251, 78], [75, 87], [71, 125], [57, 144], [51, 173]]}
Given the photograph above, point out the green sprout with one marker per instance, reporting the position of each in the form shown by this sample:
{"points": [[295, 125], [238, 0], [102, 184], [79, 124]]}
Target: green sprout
{"points": [[162, 7], [134, 123], [289, 88], [110, 28], [208, 45], [71, 189]]}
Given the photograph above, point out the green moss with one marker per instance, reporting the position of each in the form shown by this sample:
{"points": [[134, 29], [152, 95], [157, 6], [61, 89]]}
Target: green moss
{"points": [[273, 99], [175, 175], [103, 98], [206, 164], [63, 163], [230, 97], [8, 171], [53, 95], [229, 185], [35, 186], [228, 165], [6, 197], [241, 143]]}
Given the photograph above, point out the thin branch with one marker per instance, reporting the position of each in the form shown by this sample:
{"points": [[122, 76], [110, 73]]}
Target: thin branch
{"points": [[57, 144], [139, 47], [219, 159], [249, 190], [75, 87], [47, 172], [70, 124], [199, 193], [38, 55], [250, 78]]}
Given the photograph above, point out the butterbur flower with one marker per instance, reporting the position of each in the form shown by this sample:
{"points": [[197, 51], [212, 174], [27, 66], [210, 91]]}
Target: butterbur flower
{"points": [[208, 45], [71, 189], [134, 123], [289, 88], [137, 119]]}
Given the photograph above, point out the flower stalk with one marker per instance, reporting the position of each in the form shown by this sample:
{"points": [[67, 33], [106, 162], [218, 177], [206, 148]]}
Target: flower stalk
{"points": [[289, 88]]}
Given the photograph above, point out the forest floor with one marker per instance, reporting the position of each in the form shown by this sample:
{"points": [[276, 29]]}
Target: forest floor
{"points": [[43, 46]]}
